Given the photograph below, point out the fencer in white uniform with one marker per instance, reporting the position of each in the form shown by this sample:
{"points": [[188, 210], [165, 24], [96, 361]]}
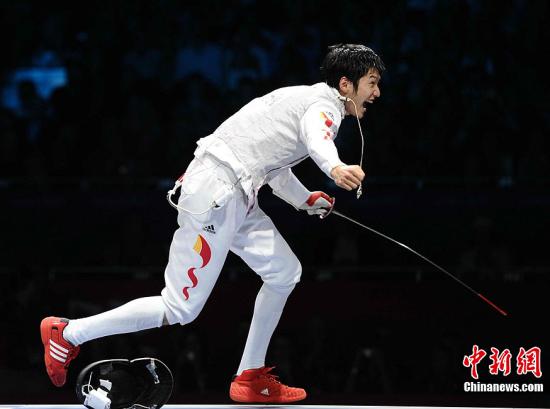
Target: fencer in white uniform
{"points": [[219, 212], [218, 209]]}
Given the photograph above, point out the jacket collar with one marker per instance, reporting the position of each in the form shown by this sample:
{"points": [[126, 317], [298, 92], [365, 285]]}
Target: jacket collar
{"points": [[334, 94]]}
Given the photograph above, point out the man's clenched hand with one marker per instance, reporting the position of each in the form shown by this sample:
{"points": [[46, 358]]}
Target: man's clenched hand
{"points": [[348, 177]]}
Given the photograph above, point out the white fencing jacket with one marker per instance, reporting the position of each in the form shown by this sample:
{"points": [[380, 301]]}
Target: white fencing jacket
{"points": [[270, 134]]}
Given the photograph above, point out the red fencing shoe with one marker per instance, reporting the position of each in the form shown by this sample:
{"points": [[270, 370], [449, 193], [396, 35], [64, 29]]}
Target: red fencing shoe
{"points": [[58, 353], [258, 385]]}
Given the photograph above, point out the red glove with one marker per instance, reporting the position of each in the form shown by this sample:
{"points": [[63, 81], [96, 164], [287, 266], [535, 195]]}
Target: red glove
{"points": [[318, 203]]}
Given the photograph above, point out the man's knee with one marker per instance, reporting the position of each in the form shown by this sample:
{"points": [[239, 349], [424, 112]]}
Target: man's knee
{"points": [[181, 314], [284, 280]]}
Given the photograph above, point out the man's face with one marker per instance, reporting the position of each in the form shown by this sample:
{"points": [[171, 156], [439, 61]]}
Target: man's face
{"points": [[367, 91]]}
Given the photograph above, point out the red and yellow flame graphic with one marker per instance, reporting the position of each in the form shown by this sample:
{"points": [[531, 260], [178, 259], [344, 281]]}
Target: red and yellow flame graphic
{"points": [[328, 121], [203, 249]]}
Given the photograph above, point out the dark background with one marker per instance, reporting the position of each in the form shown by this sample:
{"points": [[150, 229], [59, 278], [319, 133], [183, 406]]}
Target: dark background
{"points": [[102, 103]]}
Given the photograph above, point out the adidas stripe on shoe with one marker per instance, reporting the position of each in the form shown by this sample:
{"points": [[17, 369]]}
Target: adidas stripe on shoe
{"points": [[58, 353]]}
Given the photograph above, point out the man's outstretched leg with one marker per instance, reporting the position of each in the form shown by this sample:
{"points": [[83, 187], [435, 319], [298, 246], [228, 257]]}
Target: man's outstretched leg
{"points": [[194, 264], [263, 248], [62, 337]]}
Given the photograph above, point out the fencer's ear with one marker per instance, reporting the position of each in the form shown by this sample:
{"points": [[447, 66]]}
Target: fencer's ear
{"points": [[345, 86]]}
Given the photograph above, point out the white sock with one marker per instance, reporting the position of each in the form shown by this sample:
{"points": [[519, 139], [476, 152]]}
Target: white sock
{"points": [[137, 315], [267, 311]]}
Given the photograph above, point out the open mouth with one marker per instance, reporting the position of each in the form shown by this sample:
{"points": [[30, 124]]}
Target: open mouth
{"points": [[365, 104]]}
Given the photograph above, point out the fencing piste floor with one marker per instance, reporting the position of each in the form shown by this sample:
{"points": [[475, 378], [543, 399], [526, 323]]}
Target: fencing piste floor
{"points": [[248, 407]]}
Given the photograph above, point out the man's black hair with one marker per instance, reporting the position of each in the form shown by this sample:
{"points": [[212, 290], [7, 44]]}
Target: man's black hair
{"points": [[351, 61]]}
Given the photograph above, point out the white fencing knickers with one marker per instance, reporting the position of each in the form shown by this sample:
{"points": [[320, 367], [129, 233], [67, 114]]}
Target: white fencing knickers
{"points": [[201, 243]]}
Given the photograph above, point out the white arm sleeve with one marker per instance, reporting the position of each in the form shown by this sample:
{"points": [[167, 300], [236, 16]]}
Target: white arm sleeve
{"points": [[318, 128], [287, 186]]}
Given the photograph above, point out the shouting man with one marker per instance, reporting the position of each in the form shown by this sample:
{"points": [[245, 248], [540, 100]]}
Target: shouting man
{"points": [[218, 212]]}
